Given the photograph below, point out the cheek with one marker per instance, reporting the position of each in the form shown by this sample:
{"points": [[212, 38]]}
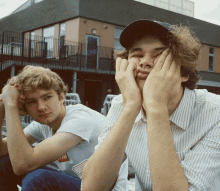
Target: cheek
{"points": [[135, 60], [156, 59]]}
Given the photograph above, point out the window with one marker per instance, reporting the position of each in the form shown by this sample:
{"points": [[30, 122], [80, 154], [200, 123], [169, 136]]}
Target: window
{"points": [[63, 48], [48, 34], [32, 42], [117, 45], [92, 51], [173, 8], [162, 5], [211, 58]]}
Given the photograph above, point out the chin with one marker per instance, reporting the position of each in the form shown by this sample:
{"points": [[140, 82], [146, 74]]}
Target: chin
{"points": [[140, 83]]}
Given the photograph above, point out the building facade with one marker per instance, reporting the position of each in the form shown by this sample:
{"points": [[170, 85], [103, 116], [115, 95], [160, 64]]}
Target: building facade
{"points": [[184, 7], [77, 39]]}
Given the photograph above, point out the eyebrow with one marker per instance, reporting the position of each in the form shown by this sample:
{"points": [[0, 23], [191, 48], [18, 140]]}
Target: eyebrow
{"points": [[27, 99], [162, 48]]}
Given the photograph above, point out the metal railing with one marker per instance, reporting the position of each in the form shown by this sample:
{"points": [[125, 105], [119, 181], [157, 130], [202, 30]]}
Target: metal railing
{"points": [[19, 49]]}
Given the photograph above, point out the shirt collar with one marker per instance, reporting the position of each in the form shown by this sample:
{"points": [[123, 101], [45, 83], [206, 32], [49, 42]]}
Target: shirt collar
{"points": [[141, 116], [182, 114]]}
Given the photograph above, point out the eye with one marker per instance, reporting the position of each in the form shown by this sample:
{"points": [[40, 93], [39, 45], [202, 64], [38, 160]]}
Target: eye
{"points": [[137, 55], [157, 55], [30, 102], [47, 97]]}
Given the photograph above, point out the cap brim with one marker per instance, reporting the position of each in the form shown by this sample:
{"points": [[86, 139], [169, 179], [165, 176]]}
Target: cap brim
{"points": [[140, 28]]}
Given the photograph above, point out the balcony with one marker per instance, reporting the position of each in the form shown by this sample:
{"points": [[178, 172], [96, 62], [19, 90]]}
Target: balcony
{"points": [[16, 49]]}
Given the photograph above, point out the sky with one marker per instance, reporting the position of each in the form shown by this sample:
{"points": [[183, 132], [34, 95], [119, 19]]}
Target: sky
{"points": [[207, 10]]}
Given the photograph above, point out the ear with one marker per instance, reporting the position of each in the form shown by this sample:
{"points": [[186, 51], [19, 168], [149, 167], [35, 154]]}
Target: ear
{"points": [[184, 78], [62, 97]]}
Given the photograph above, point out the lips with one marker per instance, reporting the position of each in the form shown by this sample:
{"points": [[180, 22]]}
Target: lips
{"points": [[44, 115], [142, 74]]}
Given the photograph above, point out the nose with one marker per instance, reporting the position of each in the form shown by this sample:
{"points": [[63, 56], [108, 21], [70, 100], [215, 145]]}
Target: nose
{"points": [[146, 62], [41, 106]]}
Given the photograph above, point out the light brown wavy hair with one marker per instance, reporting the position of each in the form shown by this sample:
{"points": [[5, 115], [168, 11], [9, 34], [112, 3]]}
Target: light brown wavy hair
{"points": [[185, 47], [32, 78]]}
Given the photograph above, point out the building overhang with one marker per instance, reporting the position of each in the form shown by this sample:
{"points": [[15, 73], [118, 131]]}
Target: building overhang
{"points": [[208, 83]]}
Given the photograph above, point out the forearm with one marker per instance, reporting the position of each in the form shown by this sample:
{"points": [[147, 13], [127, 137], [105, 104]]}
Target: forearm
{"points": [[19, 149], [166, 171], [101, 170], [3, 145]]}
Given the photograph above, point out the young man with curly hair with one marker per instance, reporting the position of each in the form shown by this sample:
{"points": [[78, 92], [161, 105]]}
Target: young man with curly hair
{"points": [[168, 130], [68, 134]]}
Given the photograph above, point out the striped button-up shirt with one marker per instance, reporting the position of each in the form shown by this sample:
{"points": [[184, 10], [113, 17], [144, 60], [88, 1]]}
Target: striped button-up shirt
{"points": [[195, 127]]}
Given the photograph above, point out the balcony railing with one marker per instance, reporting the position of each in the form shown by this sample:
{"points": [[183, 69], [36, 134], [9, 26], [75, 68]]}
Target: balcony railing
{"points": [[17, 49]]}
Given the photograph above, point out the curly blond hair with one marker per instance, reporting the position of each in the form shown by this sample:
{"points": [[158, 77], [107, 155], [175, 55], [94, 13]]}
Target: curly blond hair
{"points": [[37, 77], [185, 47]]}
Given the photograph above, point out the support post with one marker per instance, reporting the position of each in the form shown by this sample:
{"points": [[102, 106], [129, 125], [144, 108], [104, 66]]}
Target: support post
{"points": [[74, 81]]}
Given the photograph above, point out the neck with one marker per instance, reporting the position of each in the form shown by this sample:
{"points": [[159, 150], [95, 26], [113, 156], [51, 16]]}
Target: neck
{"points": [[175, 100], [55, 125]]}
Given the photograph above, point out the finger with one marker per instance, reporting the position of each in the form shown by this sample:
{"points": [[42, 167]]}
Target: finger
{"points": [[132, 69], [168, 63], [124, 65], [118, 63], [178, 69], [173, 67], [161, 60]]}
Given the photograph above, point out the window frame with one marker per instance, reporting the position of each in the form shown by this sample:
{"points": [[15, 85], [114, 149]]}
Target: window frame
{"points": [[212, 55]]}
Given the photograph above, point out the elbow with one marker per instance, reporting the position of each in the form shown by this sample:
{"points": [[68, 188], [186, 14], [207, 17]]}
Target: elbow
{"points": [[85, 184], [88, 178], [20, 169]]}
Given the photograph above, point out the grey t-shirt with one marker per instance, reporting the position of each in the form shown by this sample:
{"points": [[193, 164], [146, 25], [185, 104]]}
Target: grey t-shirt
{"points": [[81, 121]]}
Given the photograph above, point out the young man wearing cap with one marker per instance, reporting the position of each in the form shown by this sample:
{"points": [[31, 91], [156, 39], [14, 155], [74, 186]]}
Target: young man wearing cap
{"points": [[169, 131], [68, 134]]}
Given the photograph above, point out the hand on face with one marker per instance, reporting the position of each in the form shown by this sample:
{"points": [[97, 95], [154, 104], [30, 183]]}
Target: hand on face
{"points": [[164, 78], [13, 95], [125, 78]]}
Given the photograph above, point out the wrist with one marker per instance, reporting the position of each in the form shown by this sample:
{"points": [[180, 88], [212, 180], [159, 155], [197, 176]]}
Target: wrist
{"points": [[11, 105], [2, 108], [132, 108], [155, 108]]}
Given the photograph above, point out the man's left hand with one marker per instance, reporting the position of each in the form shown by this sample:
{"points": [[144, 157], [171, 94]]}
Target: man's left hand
{"points": [[162, 82]]}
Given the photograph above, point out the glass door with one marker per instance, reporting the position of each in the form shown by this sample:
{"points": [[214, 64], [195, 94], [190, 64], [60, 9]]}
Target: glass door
{"points": [[92, 51]]}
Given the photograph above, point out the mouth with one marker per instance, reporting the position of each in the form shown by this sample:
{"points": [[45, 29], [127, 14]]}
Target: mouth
{"points": [[141, 74], [44, 115]]}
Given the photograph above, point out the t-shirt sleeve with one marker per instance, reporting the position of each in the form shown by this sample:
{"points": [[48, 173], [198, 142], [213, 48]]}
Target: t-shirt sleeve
{"points": [[34, 130], [202, 164], [79, 123]]}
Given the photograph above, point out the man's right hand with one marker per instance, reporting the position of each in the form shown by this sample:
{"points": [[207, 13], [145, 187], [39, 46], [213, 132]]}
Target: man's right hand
{"points": [[21, 100], [125, 78]]}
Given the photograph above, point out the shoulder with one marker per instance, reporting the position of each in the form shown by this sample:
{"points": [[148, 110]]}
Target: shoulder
{"points": [[208, 98], [117, 100], [80, 111]]}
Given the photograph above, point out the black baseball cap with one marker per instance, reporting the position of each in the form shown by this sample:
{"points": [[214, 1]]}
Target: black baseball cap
{"points": [[140, 28]]}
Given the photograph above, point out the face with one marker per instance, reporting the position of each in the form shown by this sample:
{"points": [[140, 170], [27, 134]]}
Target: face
{"points": [[45, 106], [145, 52]]}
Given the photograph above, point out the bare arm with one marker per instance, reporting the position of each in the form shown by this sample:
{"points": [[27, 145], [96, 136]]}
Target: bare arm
{"points": [[23, 157], [96, 174], [3, 146], [166, 92]]}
